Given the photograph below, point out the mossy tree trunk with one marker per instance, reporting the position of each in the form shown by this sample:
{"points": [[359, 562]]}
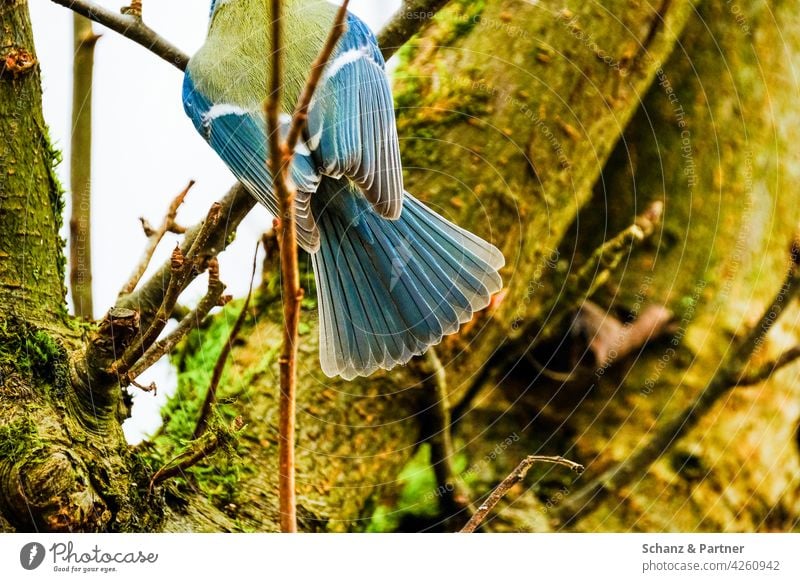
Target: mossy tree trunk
{"points": [[513, 116], [64, 464]]}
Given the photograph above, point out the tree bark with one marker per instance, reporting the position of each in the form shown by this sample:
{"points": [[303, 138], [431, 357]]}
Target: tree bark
{"points": [[64, 465], [31, 205], [723, 160], [712, 141]]}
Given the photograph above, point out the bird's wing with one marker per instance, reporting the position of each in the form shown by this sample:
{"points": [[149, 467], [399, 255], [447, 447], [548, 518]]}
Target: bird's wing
{"points": [[351, 126], [238, 135]]}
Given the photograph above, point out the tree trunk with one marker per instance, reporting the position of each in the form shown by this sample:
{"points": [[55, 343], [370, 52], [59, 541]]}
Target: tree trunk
{"points": [[723, 160], [64, 465], [31, 205]]}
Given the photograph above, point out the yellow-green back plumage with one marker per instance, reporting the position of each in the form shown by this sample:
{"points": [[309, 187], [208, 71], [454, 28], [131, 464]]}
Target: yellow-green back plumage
{"points": [[233, 66]]}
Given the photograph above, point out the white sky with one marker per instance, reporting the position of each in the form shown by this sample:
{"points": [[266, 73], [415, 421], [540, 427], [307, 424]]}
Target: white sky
{"points": [[145, 150]]}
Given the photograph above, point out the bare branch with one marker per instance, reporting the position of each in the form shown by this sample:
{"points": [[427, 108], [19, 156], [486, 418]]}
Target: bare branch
{"points": [[300, 116], [765, 371], [281, 154], [207, 446], [516, 476], [154, 238], [222, 359], [182, 268], [213, 298], [80, 239], [413, 16], [598, 269], [129, 26], [150, 388], [233, 208]]}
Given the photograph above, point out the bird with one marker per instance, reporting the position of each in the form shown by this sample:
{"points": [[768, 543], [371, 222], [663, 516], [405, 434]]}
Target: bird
{"points": [[393, 276]]}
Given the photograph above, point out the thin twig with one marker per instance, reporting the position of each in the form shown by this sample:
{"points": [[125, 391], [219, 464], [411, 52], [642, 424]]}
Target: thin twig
{"points": [[154, 237], [516, 476], [149, 388], [280, 158], [406, 22], [280, 155], [233, 208], [394, 35], [182, 267], [129, 26], [300, 117], [665, 436], [219, 366], [80, 235], [595, 272], [454, 491], [213, 298], [765, 371], [207, 446]]}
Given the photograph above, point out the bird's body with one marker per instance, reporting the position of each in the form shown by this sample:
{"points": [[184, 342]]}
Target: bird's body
{"points": [[393, 277]]}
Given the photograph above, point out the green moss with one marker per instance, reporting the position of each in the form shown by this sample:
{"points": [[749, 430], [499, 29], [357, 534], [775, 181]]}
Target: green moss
{"points": [[427, 92], [53, 160], [33, 351], [217, 477], [18, 438], [417, 496], [468, 17]]}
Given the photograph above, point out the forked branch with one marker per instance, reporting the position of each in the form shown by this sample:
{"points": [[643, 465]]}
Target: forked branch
{"points": [[516, 476]]}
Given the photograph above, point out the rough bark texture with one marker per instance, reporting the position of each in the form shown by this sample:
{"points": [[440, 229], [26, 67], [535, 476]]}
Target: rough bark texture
{"points": [[31, 263], [729, 178], [512, 116], [64, 464]]}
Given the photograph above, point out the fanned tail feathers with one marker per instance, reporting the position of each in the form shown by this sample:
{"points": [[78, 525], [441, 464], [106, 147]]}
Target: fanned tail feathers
{"points": [[389, 289]]}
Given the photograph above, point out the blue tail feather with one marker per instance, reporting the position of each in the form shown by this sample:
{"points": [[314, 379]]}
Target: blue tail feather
{"points": [[389, 289]]}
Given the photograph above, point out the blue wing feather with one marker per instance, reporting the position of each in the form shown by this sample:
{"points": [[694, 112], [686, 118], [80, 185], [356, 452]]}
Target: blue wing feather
{"points": [[351, 128], [239, 138]]}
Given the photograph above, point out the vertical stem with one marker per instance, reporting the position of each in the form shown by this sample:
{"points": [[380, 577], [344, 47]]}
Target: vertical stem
{"points": [[80, 247], [292, 296], [455, 493], [280, 156]]}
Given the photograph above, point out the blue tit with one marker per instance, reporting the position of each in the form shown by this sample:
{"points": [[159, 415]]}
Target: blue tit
{"points": [[393, 277]]}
